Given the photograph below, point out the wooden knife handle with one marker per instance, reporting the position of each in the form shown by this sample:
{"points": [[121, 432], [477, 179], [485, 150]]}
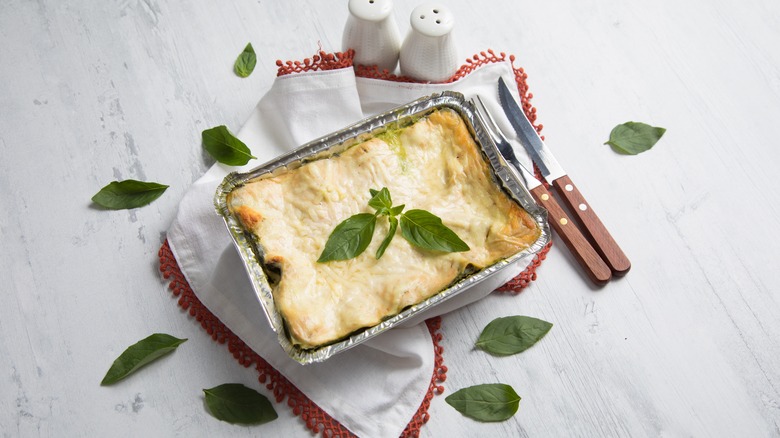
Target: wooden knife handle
{"points": [[594, 229], [581, 249]]}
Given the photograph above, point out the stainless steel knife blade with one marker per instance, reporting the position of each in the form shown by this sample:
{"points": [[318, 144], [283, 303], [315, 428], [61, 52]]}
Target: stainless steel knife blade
{"points": [[546, 162]]}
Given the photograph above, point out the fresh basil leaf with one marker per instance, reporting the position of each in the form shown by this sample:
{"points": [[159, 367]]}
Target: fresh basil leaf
{"points": [[512, 334], [246, 61], [488, 402], [395, 211], [380, 200], [632, 138], [390, 234], [350, 238], [139, 354], [426, 230], [235, 403], [129, 193], [225, 147]]}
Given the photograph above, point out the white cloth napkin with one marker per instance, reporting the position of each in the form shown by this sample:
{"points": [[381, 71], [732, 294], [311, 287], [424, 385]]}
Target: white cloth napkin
{"points": [[373, 389]]}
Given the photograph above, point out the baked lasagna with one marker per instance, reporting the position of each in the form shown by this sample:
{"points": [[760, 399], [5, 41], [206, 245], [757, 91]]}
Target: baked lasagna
{"points": [[433, 164]]}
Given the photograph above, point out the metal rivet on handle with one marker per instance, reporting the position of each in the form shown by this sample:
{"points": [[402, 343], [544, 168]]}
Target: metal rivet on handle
{"points": [[583, 207], [564, 221], [545, 197], [569, 187]]}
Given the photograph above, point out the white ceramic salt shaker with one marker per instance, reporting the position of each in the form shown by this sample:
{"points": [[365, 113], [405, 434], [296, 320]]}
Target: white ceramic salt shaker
{"points": [[428, 52], [372, 32]]}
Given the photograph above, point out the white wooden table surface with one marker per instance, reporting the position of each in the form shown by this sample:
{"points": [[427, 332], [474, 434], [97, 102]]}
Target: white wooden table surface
{"points": [[688, 344]]}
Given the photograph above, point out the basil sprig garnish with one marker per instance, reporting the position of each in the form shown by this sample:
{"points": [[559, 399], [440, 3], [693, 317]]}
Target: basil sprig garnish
{"points": [[426, 230], [226, 147], [350, 238], [139, 354], [245, 63], [487, 402], [632, 138], [235, 403], [512, 334], [388, 238], [130, 193], [421, 228]]}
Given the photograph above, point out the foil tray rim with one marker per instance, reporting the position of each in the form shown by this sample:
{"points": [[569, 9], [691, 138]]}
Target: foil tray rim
{"points": [[251, 255]]}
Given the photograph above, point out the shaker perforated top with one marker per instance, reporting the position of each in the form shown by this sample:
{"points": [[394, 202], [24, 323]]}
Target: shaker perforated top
{"points": [[371, 10], [432, 20]]}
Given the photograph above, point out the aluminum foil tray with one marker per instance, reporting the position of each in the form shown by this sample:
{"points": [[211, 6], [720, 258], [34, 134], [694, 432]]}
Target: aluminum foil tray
{"points": [[251, 252]]}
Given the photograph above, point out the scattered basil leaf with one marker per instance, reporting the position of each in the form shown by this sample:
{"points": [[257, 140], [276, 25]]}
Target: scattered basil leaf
{"points": [[129, 193], [512, 334], [235, 403], [395, 211], [488, 402], [139, 354], [426, 230], [632, 138], [350, 238], [380, 199], [390, 234], [225, 147], [246, 61]]}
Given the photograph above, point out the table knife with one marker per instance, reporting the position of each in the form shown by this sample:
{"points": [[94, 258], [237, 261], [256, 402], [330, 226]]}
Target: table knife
{"points": [[554, 173], [577, 243]]}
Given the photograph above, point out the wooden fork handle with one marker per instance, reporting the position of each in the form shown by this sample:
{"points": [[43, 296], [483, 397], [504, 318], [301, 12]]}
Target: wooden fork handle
{"points": [[567, 230], [592, 226]]}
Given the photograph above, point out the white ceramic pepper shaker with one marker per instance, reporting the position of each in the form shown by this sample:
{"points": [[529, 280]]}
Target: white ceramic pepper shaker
{"points": [[428, 52], [372, 32]]}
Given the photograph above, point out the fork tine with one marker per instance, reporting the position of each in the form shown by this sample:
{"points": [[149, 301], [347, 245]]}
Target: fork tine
{"points": [[525, 176], [487, 118], [487, 121], [498, 138]]}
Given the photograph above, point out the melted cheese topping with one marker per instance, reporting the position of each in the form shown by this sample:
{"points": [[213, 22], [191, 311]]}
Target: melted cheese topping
{"points": [[434, 165]]}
